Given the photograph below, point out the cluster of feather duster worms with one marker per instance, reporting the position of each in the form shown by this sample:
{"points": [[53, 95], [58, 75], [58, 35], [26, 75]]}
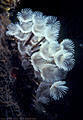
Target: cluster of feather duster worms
{"points": [[37, 36]]}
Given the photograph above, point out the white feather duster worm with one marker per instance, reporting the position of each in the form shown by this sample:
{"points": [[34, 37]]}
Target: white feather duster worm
{"points": [[52, 29], [39, 24], [50, 20], [54, 46], [51, 73], [12, 29], [64, 60], [43, 92], [67, 45], [44, 51], [25, 27], [38, 30], [25, 15], [37, 61], [38, 17], [58, 89], [21, 36]]}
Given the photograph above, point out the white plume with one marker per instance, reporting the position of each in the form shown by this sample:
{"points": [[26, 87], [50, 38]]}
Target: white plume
{"points": [[37, 61], [51, 73], [52, 31], [25, 15], [53, 47], [64, 60], [67, 45], [44, 51], [58, 90]]}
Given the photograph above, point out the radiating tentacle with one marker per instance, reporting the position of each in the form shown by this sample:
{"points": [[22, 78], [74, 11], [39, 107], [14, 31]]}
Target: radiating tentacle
{"points": [[58, 90]]}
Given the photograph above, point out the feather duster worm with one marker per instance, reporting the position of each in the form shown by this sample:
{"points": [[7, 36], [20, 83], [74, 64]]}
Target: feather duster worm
{"points": [[44, 52], [37, 36], [25, 15], [52, 31], [37, 61], [51, 73], [43, 92], [64, 58], [67, 45], [54, 46], [64, 61], [58, 89], [39, 24]]}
